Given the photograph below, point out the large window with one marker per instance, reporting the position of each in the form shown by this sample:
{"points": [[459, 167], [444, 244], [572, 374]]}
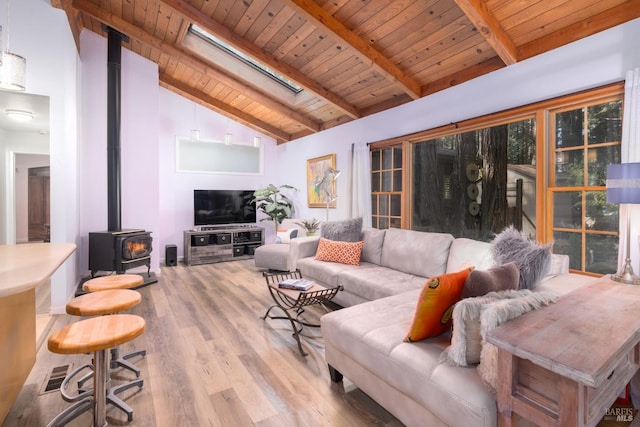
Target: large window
{"points": [[474, 184], [585, 139], [540, 168]]}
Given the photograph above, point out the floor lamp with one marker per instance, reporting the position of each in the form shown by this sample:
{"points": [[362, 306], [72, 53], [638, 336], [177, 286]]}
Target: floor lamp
{"points": [[330, 198], [623, 187], [327, 181]]}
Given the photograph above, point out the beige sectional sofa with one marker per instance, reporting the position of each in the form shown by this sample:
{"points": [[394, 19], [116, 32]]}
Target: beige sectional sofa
{"points": [[364, 342]]}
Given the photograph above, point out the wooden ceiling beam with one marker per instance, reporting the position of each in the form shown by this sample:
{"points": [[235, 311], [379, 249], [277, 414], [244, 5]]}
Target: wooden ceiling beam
{"points": [[194, 15], [386, 105], [602, 21], [469, 73], [195, 95], [93, 10], [320, 17], [489, 27]]}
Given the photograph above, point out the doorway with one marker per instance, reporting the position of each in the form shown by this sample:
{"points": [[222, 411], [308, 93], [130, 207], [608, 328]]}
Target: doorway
{"points": [[39, 229], [31, 195]]}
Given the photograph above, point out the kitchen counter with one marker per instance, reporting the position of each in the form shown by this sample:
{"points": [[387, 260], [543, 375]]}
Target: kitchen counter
{"points": [[23, 268], [29, 265]]}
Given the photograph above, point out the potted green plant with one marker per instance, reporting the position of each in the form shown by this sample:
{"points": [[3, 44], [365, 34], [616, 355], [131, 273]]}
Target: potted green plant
{"points": [[275, 205], [310, 225]]}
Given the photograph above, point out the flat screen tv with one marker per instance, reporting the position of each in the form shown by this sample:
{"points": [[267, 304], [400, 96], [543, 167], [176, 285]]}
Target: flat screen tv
{"points": [[213, 207]]}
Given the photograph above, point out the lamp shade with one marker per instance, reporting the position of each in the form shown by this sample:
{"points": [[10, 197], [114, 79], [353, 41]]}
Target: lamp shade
{"points": [[623, 183], [13, 72], [334, 173]]}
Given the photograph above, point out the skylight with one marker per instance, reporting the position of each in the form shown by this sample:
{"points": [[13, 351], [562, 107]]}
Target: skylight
{"points": [[194, 29]]}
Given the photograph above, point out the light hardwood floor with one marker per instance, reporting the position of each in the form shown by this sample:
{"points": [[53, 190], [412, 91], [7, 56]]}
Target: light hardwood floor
{"points": [[212, 361]]}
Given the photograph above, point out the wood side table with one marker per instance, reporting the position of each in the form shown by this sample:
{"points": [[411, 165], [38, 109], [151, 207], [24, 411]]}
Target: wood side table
{"points": [[565, 364]]}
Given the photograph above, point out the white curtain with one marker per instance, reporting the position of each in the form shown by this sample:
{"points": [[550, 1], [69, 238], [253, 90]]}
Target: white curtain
{"points": [[361, 183], [630, 152]]}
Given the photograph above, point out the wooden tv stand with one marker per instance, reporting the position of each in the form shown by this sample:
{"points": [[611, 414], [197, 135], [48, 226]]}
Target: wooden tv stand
{"points": [[565, 364], [209, 244]]}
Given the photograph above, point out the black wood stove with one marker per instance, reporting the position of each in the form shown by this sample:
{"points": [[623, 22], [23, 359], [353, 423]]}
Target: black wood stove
{"points": [[117, 249]]}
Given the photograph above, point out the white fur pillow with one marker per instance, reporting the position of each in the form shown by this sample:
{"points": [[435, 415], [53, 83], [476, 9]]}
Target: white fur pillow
{"points": [[498, 313], [473, 317]]}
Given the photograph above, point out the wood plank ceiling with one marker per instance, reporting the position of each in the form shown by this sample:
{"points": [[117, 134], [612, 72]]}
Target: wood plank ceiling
{"points": [[352, 58]]}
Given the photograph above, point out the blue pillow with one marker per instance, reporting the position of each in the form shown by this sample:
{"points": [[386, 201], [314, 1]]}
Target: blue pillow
{"points": [[285, 236]]}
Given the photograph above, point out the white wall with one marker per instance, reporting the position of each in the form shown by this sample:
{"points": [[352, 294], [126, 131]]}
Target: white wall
{"points": [[41, 34], [176, 195], [154, 196], [594, 61], [139, 144]]}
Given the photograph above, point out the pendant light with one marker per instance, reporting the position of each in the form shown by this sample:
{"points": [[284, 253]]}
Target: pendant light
{"points": [[228, 137], [195, 133], [13, 72]]}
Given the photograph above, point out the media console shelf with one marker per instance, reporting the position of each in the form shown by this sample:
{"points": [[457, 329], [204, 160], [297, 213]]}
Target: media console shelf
{"points": [[210, 244]]}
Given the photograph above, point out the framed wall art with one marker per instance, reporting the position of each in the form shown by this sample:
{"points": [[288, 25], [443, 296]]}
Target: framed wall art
{"points": [[321, 187]]}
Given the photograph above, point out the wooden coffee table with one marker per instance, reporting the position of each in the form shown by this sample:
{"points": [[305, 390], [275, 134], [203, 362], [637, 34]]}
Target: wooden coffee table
{"points": [[292, 302], [565, 364]]}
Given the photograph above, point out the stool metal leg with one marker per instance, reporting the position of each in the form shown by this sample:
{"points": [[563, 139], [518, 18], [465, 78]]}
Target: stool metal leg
{"points": [[64, 417], [122, 361], [100, 376], [119, 403], [82, 392]]}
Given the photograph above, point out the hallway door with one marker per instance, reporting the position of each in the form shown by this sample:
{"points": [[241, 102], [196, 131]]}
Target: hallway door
{"points": [[38, 204]]}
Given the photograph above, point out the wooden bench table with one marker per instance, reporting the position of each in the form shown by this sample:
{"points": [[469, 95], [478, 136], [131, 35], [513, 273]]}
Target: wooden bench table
{"points": [[565, 364]]}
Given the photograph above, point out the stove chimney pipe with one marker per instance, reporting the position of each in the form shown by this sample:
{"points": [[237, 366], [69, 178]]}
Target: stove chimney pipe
{"points": [[114, 60]]}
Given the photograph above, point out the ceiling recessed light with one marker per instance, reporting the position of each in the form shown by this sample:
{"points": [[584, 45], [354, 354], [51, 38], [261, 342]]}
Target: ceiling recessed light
{"points": [[19, 115]]}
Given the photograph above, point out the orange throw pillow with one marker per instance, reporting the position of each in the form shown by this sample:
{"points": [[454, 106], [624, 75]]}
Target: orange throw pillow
{"points": [[342, 252], [435, 305]]}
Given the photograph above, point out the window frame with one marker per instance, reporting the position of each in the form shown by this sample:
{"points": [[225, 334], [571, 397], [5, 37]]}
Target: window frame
{"points": [[545, 165], [552, 189], [377, 194]]}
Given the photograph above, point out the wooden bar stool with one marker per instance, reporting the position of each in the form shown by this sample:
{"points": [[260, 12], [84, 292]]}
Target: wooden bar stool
{"points": [[106, 302], [94, 335], [114, 281], [111, 282], [100, 304]]}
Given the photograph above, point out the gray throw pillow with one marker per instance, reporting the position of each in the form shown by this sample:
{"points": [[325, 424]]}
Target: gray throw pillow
{"points": [[533, 260], [349, 230], [373, 239], [495, 279]]}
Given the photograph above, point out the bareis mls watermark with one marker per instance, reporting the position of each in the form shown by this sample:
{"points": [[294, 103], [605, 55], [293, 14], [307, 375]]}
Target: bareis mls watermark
{"points": [[619, 414]]}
